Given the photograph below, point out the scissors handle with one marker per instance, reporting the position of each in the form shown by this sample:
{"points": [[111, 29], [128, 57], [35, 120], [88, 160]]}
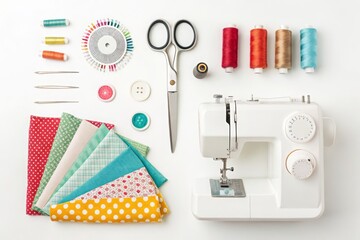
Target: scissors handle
{"points": [[168, 37], [192, 44]]}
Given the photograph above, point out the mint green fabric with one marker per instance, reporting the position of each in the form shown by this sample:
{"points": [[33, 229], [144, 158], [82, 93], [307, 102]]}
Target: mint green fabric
{"points": [[142, 149], [66, 131], [86, 152]]}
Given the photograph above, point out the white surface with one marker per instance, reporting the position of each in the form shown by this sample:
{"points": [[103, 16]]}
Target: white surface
{"points": [[334, 85]]}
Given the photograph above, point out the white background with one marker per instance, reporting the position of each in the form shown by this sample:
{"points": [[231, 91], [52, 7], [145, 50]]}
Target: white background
{"points": [[335, 86]]}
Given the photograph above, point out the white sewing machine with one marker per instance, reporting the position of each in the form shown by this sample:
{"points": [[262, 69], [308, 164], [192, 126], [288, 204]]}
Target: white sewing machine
{"points": [[294, 186]]}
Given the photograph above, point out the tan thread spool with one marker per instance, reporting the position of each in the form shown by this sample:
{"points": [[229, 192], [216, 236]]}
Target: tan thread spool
{"points": [[283, 49]]}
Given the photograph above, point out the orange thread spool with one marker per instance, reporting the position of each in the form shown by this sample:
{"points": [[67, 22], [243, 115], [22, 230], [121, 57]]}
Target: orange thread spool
{"points": [[54, 55], [258, 49]]}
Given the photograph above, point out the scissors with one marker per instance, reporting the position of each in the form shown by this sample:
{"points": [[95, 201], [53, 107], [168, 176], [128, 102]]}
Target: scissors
{"points": [[172, 92]]}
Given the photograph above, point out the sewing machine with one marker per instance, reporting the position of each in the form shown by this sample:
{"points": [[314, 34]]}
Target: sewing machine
{"points": [[293, 187]]}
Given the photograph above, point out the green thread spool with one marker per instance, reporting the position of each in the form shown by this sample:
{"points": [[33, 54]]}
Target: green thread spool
{"points": [[56, 22]]}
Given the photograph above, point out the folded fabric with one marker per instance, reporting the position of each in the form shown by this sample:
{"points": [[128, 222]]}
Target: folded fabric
{"points": [[111, 210], [127, 162], [158, 178], [107, 150], [83, 134], [85, 153], [42, 132], [135, 184], [125, 193], [66, 131]]}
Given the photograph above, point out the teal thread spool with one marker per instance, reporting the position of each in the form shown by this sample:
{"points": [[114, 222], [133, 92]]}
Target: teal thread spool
{"points": [[56, 22], [308, 49]]}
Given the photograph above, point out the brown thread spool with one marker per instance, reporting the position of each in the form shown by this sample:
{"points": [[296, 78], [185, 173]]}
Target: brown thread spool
{"points": [[200, 70], [283, 49], [54, 55]]}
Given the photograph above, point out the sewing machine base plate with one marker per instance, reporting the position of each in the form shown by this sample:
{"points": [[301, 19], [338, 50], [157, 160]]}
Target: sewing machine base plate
{"points": [[235, 190]]}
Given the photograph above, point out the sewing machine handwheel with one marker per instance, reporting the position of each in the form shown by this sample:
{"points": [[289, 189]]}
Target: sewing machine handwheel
{"points": [[301, 164], [300, 127]]}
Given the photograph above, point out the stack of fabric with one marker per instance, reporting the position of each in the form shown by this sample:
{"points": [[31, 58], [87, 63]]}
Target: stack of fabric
{"points": [[82, 171]]}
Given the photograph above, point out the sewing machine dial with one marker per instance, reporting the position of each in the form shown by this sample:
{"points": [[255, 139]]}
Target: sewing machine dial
{"points": [[300, 127], [300, 164]]}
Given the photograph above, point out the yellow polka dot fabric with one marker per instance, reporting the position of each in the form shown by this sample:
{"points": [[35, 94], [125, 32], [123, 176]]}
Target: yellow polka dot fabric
{"points": [[111, 210]]}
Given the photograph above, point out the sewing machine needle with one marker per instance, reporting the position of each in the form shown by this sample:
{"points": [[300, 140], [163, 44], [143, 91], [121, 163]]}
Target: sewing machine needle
{"points": [[55, 72], [52, 102], [55, 87], [173, 118]]}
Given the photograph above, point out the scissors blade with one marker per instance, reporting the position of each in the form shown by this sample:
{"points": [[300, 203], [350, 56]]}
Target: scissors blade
{"points": [[173, 118]]}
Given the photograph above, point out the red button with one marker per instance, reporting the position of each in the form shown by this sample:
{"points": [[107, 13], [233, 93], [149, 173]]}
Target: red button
{"points": [[106, 93]]}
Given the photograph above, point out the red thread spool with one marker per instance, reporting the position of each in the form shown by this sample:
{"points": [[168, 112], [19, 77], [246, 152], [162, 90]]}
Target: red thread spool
{"points": [[230, 49], [54, 55], [258, 49]]}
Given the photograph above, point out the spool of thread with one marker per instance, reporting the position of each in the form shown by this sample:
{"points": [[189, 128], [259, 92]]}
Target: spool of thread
{"points": [[55, 40], [200, 70], [54, 55], [55, 23], [308, 49], [230, 49], [258, 49], [283, 49]]}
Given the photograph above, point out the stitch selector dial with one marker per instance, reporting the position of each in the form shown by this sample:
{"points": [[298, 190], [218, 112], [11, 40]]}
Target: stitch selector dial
{"points": [[300, 164], [300, 127]]}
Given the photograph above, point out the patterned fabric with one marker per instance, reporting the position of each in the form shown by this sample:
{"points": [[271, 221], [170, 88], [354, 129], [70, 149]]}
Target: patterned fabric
{"points": [[42, 132], [111, 210], [158, 178], [142, 149], [83, 134], [125, 163], [85, 153], [124, 195], [135, 184], [67, 128], [107, 150]]}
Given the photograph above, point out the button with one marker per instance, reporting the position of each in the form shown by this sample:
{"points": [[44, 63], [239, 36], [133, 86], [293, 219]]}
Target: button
{"points": [[140, 90], [106, 93], [140, 121]]}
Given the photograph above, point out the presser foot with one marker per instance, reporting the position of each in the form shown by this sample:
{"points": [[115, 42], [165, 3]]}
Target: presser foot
{"points": [[235, 188]]}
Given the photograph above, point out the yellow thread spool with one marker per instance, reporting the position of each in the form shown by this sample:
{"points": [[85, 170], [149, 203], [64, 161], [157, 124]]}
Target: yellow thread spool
{"points": [[56, 40]]}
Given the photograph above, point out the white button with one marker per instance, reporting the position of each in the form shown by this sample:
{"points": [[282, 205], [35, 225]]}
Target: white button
{"points": [[140, 90]]}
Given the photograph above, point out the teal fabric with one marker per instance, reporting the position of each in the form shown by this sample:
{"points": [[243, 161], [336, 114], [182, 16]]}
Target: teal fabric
{"points": [[125, 163], [158, 178]]}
